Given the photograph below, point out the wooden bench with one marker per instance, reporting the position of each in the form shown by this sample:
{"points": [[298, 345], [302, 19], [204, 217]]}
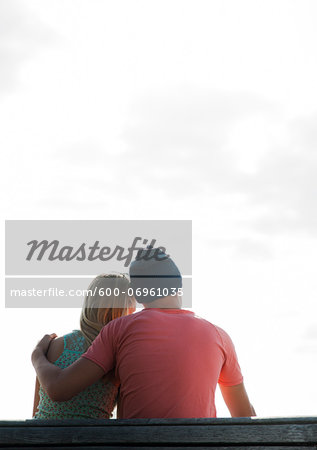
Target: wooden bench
{"points": [[173, 434]]}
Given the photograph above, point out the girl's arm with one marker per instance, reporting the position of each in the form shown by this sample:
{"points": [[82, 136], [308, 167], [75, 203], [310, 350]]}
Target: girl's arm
{"points": [[36, 396], [54, 351], [59, 384]]}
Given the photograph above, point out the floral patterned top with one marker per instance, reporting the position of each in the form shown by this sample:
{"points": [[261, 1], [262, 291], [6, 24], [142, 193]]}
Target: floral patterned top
{"points": [[95, 402]]}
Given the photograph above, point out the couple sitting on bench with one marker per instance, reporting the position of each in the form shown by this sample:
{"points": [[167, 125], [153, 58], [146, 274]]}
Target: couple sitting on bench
{"points": [[161, 362]]}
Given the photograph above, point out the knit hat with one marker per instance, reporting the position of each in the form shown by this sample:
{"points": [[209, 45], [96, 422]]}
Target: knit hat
{"points": [[154, 275]]}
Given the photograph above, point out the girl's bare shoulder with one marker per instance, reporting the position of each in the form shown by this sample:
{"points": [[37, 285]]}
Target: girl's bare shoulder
{"points": [[56, 348]]}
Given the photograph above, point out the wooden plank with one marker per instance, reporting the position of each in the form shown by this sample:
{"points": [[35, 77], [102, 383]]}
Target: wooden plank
{"points": [[140, 422], [170, 448], [255, 434], [276, 433], [163, 422]]}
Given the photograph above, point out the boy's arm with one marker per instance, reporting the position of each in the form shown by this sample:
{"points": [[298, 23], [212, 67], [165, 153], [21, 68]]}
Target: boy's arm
{"points": [[237, 401], [59, 384]]}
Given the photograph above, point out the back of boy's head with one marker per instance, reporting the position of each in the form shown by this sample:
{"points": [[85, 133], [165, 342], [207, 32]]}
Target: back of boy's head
{"points": [[154, 275]]}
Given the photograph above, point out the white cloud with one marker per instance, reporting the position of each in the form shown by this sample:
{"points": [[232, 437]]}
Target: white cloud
{"points": [[285, 184], [21, 35]]}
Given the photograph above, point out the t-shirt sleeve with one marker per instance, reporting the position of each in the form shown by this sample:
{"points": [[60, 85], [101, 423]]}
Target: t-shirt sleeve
{"points": [[102, 351], [230, 374]]}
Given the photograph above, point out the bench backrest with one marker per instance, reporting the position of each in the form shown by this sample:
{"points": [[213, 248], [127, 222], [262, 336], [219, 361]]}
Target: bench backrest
{"points": [[276, 433]]}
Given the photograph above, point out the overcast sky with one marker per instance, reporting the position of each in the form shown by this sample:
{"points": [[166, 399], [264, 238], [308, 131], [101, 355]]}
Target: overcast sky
{"points": [[200, 110]]}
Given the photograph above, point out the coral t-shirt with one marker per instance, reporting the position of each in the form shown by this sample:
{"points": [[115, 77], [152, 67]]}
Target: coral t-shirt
{"points": [[168, 361]]}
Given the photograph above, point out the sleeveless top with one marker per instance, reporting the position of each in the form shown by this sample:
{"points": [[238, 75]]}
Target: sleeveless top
{"points": [[97, 401]]}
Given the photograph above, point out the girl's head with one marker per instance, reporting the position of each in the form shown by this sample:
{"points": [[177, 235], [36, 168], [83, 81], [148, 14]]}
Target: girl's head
{"points": [[106, 299]]}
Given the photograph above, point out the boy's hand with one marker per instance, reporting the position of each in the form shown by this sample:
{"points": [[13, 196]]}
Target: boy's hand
{"points": [[43, 345]]}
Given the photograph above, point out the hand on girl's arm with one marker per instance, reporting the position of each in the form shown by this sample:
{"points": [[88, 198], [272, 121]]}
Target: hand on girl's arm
{"points": [[59, 384]]}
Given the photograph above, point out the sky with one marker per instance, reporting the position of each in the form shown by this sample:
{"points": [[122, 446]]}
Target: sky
{"points": [[200, 110]]}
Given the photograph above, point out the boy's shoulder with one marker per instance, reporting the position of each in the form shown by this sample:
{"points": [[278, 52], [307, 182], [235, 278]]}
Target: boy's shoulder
{"points": [[224, 336]]}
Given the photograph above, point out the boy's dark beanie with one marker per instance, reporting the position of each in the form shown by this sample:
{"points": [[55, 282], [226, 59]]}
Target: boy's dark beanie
{"points": [[153, 269]]}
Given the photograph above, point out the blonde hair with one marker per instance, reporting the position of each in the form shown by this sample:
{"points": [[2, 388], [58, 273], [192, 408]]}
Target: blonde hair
{"points": [[100, 308]]}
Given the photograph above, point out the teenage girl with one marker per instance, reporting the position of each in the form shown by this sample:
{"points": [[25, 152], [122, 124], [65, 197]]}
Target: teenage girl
{"points": [[98, 400]]}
